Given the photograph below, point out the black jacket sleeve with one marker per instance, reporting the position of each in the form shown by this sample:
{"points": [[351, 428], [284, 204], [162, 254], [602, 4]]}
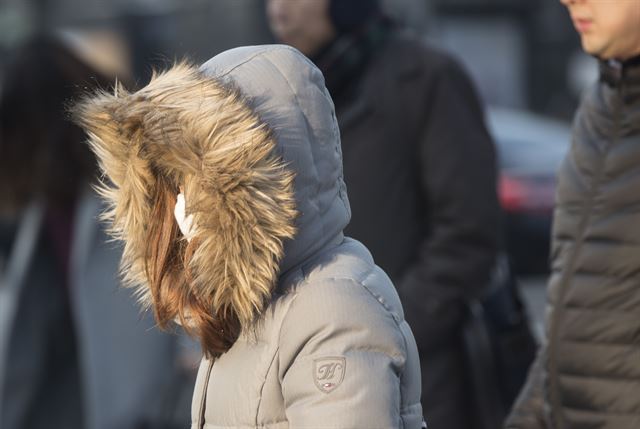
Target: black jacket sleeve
{"points": [[458, 175]]}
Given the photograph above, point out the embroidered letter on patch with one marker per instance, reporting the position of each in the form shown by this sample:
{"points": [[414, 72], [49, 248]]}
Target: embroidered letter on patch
{"points": [[328, 373]]}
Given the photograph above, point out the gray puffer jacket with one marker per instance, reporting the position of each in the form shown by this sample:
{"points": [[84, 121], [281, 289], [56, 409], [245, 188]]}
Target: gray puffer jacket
{"points": [[587, 376], [324, 341]]}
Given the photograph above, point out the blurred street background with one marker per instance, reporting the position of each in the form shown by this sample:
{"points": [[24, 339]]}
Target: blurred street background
{"points": [[523, 56]]}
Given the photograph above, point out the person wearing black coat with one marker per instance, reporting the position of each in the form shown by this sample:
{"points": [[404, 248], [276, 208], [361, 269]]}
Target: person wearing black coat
{"points": [[421, 172], [587, 375]]}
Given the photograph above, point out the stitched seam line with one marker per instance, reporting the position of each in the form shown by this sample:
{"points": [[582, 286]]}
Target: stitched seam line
{"points": [[273, 359], [562, 373], [397, 323]]}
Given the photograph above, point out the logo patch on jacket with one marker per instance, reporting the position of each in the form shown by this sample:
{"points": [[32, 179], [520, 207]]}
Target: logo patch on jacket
{"points": [[328, 373]]}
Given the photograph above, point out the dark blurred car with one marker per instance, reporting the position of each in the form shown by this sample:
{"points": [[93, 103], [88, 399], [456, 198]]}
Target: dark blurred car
{"points": [[530, 150]]}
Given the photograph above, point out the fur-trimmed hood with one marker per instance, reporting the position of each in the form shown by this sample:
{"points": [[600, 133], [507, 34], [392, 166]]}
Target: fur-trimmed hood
{"points": [[253, 137]]}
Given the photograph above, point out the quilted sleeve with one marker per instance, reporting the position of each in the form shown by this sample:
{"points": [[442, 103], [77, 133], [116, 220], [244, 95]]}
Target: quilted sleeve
{"points": [[342, 360]]}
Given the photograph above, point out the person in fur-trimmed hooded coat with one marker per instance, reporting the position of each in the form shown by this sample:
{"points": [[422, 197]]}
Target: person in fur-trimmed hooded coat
{"points": [[300, 328]]}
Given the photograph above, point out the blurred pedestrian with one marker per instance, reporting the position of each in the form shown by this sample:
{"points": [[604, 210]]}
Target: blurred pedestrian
{"points": [[586, 375], [75, 352], [299, 327], [421, 172]]}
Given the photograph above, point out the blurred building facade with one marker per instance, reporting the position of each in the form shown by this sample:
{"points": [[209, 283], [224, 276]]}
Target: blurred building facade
{"points": [[520, 54]]}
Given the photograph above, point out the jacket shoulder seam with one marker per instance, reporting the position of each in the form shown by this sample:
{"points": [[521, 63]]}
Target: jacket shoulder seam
{"points": [[264, 382], [379, 299]]}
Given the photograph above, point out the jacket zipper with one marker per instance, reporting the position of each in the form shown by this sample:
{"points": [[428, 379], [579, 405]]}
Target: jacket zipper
{"points": [[203, 396], [556, 415]]}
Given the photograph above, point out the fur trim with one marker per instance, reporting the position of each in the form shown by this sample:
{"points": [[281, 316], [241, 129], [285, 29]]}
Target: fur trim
{"points": [[200, 133]]}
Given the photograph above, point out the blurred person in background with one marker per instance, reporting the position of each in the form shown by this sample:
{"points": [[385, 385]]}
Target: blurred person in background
{"points": [[75, 352], [421, 171], [587, 373]]}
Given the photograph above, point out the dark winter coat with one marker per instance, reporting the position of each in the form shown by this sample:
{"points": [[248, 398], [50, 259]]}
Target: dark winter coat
{"points": [[588, 374], [420, 170]]}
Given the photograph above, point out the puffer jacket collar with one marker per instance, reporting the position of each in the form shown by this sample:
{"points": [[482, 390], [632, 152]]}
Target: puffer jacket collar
{"points": [[622, 75]]}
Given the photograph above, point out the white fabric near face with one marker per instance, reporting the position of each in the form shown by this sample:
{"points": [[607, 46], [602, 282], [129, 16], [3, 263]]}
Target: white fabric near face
{"points": [[184, 223]]}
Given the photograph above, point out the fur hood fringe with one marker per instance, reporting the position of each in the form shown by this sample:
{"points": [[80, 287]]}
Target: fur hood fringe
{"points": [[200, 133]]}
